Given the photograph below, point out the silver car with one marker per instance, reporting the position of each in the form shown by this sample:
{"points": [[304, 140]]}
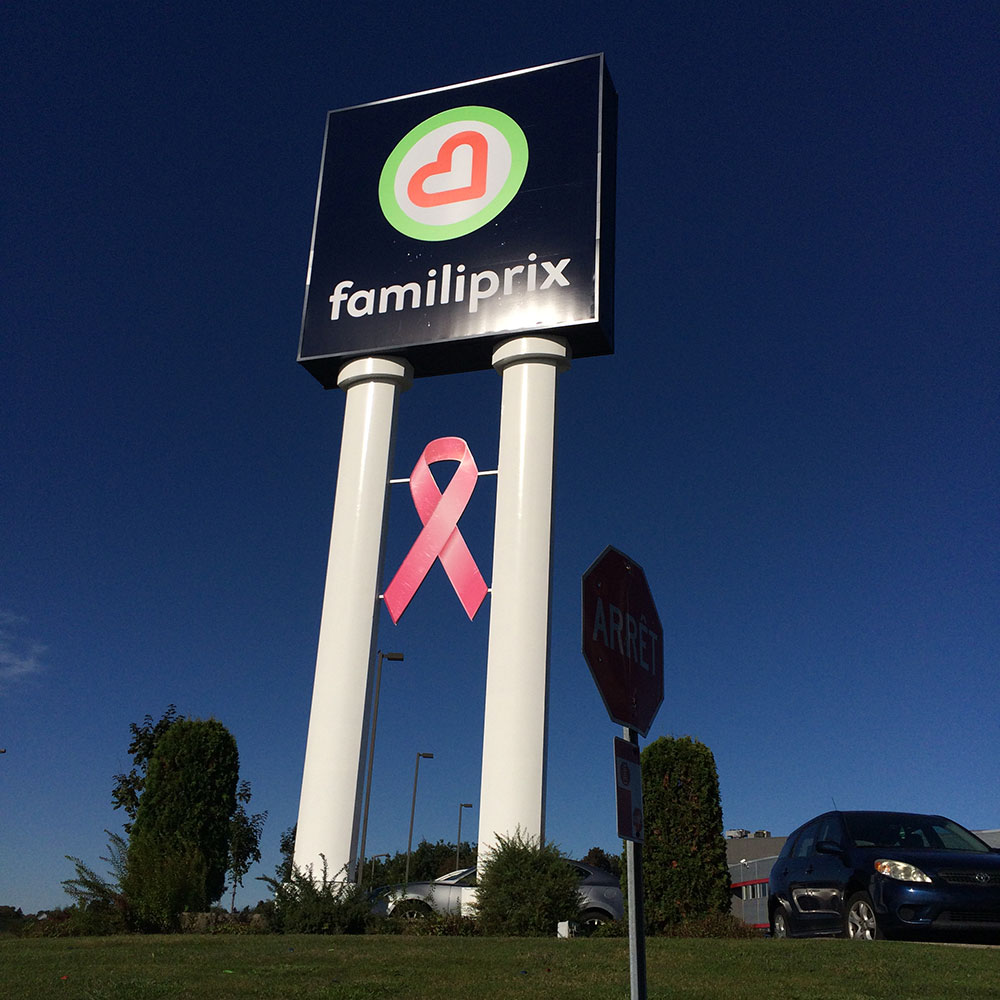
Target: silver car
{"points": [[600, 896]]}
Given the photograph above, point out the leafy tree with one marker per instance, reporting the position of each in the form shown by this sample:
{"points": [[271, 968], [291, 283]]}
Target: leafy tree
{"points": [[244, 828], [179, 848], [525, 888], [128, 788], [283, 872], [244, 839], [684, 858], [599, 858], [427, 861]]}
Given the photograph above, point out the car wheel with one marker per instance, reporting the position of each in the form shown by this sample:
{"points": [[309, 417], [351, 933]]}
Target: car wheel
{"points": [[779, 923], [860, 923], [412, 909], [589, 921]]}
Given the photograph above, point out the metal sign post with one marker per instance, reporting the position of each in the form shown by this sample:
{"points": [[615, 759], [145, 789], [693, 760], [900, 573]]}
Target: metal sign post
{"points": [[633, 861]]}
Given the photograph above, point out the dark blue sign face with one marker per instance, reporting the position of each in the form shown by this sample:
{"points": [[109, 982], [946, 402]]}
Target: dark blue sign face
{"points": [[451, 220]]}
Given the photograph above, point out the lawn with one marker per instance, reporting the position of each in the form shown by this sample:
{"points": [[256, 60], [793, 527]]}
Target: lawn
{"points": [[370, 968]]}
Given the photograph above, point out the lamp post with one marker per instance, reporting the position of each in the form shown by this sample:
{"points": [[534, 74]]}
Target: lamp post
{"points": [[395, 657], [413, 809], [374, 856], [458, 839]]}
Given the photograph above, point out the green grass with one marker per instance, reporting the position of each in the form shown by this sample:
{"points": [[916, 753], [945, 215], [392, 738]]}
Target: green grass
{"points": [[372, 968]]}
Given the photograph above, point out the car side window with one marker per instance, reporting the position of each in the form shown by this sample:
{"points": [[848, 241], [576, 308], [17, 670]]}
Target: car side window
{"points": [[805, 845], [786, 851], [831, 829]]}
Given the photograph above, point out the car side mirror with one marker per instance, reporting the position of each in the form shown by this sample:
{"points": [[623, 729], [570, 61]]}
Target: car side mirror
{"points": [[829, 847]]}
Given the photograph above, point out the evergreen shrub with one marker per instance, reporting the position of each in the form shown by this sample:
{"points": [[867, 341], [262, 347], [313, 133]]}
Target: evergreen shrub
{"points": [[525, 888], [685, 873], [304, 904]]}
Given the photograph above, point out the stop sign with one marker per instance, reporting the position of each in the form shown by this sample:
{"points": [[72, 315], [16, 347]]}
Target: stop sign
{"points": [[623, 639]]}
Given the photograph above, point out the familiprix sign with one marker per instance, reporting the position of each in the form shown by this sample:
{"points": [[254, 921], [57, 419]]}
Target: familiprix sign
{"points": [[448, 220]]}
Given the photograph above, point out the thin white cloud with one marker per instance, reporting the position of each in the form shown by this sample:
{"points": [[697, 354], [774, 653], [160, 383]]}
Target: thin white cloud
{"points": [[19, 657]]}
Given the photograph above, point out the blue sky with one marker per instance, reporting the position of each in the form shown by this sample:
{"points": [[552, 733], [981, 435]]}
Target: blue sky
{"points": [[797, 435]]}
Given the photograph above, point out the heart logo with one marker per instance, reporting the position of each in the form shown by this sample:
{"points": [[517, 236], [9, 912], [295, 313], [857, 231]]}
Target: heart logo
{"points": [[443, 167], [453, 173]]}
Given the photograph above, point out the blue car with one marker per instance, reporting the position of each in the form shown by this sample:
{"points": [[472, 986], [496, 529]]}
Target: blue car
{"points": [[867, 875]]}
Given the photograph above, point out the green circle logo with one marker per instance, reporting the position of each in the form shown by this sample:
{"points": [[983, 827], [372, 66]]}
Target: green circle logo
{"points": [[453, 173]]}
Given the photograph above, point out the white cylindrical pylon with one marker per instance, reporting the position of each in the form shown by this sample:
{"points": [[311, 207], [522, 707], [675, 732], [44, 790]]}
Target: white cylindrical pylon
{"points": [[333, 773], [515, 734]]}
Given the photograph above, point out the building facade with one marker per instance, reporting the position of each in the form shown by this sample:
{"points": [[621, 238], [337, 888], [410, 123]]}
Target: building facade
{"points": [[750, 857]]}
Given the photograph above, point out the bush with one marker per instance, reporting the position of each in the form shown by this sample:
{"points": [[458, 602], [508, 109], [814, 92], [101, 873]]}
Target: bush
{"points": [[714, 925], [162, 884], [103, 899], [685, 873], [220, 921], [611, 929], [525, 888], [13, 922], [304, 905], [79, 920], [432, 925]]}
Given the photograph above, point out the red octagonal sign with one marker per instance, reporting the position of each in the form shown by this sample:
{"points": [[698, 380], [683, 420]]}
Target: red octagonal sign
{"points": [[623, 639]]}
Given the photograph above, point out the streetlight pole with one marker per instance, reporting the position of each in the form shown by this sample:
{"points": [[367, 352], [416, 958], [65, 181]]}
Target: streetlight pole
{"points": [[458, 839], [396, 657], [374, 856], [413, 809]]}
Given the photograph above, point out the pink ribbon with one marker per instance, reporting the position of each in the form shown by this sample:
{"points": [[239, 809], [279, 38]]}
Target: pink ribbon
{"points": [[440, 538]]}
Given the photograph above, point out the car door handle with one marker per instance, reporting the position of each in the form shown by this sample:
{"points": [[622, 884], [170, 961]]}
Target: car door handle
{"points": [[810, 870]]}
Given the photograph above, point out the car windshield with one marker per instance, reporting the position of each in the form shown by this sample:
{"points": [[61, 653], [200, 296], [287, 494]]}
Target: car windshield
{"points": [[911, 831], [462, 876]]}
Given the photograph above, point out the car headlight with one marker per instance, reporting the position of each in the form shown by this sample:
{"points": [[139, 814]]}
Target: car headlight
{"points": [[902, 871]]}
